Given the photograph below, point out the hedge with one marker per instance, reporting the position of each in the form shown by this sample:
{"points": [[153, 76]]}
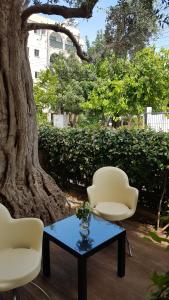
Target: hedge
{"points": [[73, 155]]}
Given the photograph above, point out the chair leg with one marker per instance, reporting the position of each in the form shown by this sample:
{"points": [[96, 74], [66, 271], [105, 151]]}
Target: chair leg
{"points": [[14, 293], [129, 247], [37, 286]]}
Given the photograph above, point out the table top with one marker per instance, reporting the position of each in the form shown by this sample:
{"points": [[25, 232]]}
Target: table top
{"points": [[68, 234]]}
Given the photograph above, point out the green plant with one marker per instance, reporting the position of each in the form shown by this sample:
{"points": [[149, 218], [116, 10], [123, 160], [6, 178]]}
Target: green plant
{"points": [[64, 86], [83, 211], [160, 281], [125, 87]]}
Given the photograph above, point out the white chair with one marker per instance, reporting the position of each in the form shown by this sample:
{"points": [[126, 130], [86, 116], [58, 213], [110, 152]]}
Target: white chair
{"points": [[111, 196], [20, 250]]}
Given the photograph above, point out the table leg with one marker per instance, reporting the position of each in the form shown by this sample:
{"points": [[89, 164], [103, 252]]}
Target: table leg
{"points": [[82, 278], [46, 256], [121, 255]]}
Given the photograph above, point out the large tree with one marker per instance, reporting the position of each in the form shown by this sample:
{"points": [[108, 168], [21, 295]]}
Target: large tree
{"points": [[64, 86], [98, 49], [24, 186], [130, 25], [126, 87]]}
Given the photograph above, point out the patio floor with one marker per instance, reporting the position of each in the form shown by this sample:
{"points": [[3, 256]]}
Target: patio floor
{"points": [[103, 284]]}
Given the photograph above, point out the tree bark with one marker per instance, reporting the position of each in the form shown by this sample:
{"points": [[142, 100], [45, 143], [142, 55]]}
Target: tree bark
{"points": [[73, 118], [83, 11], [25, 189]]}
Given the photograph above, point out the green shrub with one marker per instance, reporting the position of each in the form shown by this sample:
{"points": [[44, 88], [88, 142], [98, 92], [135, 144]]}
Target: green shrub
{"points": [[160, 281], [75, 154]]}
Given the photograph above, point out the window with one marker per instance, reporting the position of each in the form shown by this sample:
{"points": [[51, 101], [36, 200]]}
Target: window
{"points": [[55, 40], [36, 53], [36, 74], [69, 45]]}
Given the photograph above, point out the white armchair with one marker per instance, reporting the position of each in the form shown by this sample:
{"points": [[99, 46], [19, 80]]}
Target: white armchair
{"points": [[110, 195], [20, 250]]}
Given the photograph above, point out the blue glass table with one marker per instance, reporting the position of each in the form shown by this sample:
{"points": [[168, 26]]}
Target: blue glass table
{"points": [[82, 244]]}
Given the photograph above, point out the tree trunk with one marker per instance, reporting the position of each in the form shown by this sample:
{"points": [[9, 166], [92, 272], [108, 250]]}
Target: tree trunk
{"points": [[24, 186], [73, 118]]}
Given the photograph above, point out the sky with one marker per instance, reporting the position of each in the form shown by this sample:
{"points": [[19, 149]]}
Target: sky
{"points": [[90, 27], [163, 39]]}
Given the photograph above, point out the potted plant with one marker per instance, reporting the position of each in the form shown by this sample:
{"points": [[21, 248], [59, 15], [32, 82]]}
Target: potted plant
{"points": [[83, 213]]}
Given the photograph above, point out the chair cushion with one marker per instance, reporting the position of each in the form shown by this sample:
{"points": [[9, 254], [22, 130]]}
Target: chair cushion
{"points": [[18, 266], [113, 211]]}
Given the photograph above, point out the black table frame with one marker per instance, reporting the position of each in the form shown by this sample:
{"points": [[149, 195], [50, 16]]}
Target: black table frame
{"points": [[82, 259]]}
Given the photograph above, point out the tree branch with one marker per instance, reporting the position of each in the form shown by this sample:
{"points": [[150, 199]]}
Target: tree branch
{"points": [[84, 11], [60, 28]]}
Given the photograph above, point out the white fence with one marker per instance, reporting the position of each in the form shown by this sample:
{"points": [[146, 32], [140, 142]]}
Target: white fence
{"points": [[158, 121]]}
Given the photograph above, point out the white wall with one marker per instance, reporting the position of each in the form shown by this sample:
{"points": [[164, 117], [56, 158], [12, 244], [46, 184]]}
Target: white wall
{"points": [[38, 42], [60, 121]]}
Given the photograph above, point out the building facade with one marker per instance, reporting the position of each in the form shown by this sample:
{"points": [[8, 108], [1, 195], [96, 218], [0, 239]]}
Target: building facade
{"points": [[43, 43]]}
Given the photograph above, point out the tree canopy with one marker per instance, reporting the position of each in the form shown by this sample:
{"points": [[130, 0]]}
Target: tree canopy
{"points": [[64, 86], [130, 25], [114, 87], [126, 87]]}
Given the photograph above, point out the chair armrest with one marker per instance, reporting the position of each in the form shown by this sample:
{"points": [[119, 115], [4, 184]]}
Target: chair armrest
{"points": [[132, 198], [26, 233]]}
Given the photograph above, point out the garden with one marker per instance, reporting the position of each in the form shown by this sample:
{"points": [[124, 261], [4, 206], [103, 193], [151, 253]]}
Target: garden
{"points": [[72, 155], [105, 103], [52, 233]]}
